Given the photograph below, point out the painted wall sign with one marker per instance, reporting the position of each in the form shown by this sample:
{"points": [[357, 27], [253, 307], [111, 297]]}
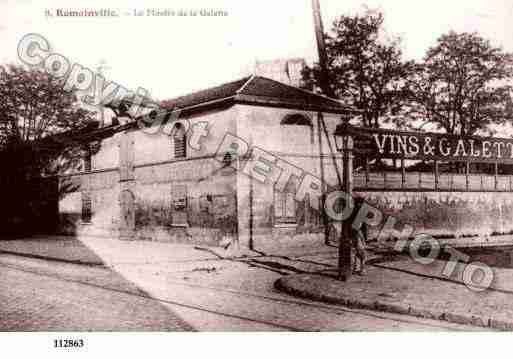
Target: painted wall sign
{"points": [[429, 146]]}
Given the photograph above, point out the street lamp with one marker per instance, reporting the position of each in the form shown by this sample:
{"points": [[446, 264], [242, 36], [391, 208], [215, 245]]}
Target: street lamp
{"points": [[344, 144], [343, 141], [343, 138]]}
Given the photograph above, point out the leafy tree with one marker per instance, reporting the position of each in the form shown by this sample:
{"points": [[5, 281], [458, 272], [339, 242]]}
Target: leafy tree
{"points": [[365, 70], [34, 106], [462, 86], [34, 109]]}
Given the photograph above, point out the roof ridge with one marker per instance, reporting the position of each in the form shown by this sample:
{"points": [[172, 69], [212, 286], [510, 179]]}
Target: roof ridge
{"points": [[300, 89], [245, 84], [255, 88], [206, 89]]}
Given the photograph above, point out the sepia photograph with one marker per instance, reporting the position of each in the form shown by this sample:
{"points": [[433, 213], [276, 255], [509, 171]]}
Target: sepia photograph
{"points": [[255, 166]]}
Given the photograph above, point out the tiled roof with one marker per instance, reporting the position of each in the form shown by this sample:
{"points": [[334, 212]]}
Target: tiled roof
{"points": [[253, 90], [258, 90], [214, 93]]}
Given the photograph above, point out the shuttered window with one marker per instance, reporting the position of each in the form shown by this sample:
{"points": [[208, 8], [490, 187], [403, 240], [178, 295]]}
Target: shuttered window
{"points": [[86, 208], [179, 141]]}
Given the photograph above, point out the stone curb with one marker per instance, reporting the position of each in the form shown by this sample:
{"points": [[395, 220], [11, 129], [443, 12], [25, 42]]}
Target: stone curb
{"points": [[54, 259], [283, 284]]}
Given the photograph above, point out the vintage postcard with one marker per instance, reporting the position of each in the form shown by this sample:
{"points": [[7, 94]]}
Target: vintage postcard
{"points": [[254, 166]]}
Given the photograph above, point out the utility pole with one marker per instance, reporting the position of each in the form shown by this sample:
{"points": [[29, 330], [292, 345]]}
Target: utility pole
{"points": [[100, 69], [346, 184], [321, 49]]}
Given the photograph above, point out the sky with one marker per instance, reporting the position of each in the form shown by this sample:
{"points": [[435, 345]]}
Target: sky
{"points": [[171, 56]]}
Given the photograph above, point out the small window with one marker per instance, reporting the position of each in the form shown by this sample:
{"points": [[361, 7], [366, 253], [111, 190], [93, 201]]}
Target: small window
{"points": [[227, 159], [179, 206], [179, 141], [86, 207]]}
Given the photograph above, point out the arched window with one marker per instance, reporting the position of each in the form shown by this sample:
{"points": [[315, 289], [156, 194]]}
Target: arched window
{"points": [[296, 119], [179, 141], [296, 134]]}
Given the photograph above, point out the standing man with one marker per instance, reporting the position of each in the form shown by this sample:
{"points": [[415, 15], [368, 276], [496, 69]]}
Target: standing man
{"points": [[358, 238]]}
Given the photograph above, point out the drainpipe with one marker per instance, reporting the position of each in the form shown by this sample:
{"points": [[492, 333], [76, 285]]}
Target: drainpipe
{"points": [[251, 245]]}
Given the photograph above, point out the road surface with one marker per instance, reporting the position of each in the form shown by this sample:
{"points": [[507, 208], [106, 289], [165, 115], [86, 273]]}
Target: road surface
{"points": [[215, 295]]}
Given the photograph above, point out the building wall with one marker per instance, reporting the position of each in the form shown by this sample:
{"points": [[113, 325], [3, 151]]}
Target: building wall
{"points": [[154, 177], [297, 145], [217, 197], [161, 180], [103, 187], [108, 155]]}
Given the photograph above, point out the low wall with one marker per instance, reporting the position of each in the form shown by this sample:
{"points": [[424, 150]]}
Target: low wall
{"points": [[448, 214]]}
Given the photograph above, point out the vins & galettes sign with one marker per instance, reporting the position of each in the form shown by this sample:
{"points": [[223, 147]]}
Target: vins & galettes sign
{"points": [[429, 146]]}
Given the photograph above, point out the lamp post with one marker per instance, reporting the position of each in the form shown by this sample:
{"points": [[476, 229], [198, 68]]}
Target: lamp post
{"points": [[344, 143]]}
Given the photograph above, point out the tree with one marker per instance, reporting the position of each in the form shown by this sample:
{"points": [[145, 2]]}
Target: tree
{"points": [[34, 106], [34, 109], [462, 86], [365, 70]]}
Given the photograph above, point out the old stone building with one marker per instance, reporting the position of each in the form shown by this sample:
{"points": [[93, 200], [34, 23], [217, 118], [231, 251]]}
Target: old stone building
{"points": [[184, 180]]}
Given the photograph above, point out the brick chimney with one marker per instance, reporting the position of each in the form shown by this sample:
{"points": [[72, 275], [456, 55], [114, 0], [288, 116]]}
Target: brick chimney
{"points": [[287, 71]]}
